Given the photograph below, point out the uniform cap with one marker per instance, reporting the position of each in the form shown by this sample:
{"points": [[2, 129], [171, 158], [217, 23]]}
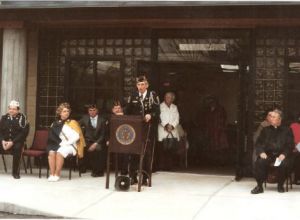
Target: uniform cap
{"points": [[14, 103]]}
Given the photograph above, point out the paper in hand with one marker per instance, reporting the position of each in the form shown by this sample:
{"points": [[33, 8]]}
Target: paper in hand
{"points": [[277, 162]]}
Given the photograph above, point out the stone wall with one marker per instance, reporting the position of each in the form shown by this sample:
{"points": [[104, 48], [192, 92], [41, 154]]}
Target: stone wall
{"points": [[31, 87]]}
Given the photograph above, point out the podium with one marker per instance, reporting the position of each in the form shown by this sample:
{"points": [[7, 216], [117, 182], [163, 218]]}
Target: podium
{"points": [[127, 136]]}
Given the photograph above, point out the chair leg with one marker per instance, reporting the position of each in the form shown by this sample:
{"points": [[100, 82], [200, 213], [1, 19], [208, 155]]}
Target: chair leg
{"points": [[70, 168], [70, 173], [4, 164], [47, 171], [29, 162], [186, 159], [24, 164], [47, 174], [40, 166], [76, 165]]}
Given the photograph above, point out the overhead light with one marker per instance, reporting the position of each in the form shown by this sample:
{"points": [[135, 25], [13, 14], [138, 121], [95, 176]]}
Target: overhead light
{"points": [[229, 71], [229, 67], [202, 47], [294, 65]]}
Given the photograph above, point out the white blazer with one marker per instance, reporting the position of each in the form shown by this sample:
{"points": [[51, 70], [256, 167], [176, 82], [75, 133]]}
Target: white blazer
{"points": [[168, 115]]}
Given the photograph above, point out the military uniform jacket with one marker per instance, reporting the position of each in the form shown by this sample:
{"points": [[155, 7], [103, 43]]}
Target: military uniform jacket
{"points": [[14, 129], [139, 106]]}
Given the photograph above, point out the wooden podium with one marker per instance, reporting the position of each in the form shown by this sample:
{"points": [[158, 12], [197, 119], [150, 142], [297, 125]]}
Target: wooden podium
{"points": [[127, 136]]}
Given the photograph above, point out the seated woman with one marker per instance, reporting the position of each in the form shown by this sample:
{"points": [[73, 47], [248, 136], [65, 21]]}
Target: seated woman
{"points": [[167, 128], [65, 138]]}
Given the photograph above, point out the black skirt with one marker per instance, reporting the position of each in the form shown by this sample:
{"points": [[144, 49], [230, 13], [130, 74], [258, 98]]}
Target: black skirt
{"points": [[53, 138]]}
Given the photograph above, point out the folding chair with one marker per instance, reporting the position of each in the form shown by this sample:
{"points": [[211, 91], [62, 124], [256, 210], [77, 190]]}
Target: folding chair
{"points": [[37, 150]]}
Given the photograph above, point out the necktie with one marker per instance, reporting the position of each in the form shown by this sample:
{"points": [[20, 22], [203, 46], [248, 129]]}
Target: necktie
{"points": [[141, 97]]}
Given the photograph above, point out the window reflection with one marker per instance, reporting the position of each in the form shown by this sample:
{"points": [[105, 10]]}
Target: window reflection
{"points": [[93, 81]]}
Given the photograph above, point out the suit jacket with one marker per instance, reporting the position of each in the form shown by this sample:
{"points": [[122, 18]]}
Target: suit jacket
{"points": [[93, 135], [275, 141]]}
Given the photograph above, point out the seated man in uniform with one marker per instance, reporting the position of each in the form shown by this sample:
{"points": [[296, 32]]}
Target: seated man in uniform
{"points": [[14, 129], [273, 144]]}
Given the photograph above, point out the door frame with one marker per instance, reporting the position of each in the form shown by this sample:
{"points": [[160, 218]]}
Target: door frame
{"points": [[244, 96]]}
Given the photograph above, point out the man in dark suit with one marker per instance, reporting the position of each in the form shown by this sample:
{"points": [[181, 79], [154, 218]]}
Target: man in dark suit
{"points": [[93, 127], [14, 129], [145, 103], [273, 146]]}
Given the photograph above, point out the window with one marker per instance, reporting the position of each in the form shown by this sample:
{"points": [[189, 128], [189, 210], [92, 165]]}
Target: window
{"points": [[93, 81]]}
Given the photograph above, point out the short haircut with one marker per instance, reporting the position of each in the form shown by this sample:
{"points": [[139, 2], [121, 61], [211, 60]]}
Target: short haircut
{"points": [[267, 111], [279, 112], [141, 78], [172, 94], [92, 106], [117, 103]]}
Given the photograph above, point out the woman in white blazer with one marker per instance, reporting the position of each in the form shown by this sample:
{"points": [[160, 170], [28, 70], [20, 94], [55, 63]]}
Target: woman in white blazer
{"points": [[169, 119]]}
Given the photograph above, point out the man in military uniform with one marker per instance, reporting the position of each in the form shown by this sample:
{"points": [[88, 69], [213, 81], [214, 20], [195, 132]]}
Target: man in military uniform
{"points": [[145, 103], [14, 129]]}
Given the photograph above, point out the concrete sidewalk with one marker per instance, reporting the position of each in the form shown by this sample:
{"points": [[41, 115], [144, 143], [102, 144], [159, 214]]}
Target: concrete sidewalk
{"points": [[172, 196]]}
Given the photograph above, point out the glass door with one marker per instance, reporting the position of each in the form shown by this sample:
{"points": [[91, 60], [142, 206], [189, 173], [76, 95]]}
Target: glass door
{"points": [[93, 81]]}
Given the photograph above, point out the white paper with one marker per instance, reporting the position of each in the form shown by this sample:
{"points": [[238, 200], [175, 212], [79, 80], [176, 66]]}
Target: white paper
{"points": [[298, 147], [277, 162]]}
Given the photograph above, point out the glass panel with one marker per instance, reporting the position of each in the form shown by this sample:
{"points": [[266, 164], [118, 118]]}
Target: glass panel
{"points": [[79, 98], [81, 73], [92, 81], [108, 73], [293, 91]]}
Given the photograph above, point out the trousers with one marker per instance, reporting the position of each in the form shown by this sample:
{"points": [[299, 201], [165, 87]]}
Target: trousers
{"points": [[16, 151], [262, 166]]}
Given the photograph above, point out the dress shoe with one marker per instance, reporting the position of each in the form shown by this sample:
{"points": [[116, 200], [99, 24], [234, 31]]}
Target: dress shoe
{"points": [[145, 182], [97, 174], [16, 176], [82, 170], [133, 180], [280, 189], [296, 182], [257, 190]]}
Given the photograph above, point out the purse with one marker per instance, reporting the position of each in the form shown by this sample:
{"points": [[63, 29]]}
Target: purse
{"points": [[170, 143]]}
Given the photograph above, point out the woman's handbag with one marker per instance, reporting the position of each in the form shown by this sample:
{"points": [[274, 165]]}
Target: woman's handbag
{"points": [[170, 143]]}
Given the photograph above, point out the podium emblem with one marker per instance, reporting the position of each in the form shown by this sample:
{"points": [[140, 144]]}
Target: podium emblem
{"points": [[125, 134]]}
